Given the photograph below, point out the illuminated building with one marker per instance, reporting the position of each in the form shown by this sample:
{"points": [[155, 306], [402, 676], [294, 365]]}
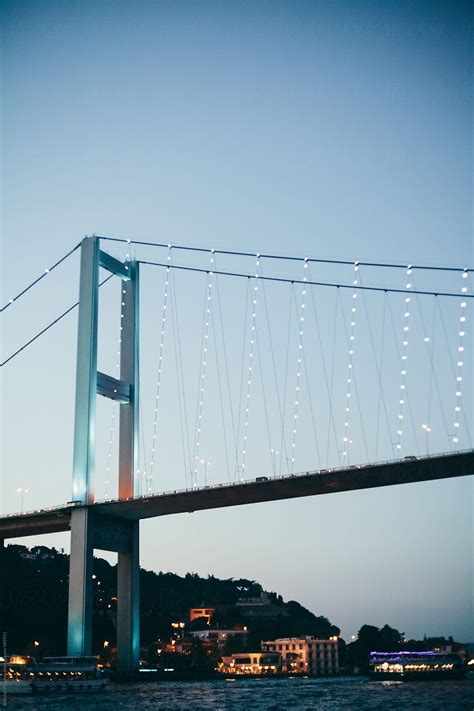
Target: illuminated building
{"points": [[251, 663], [196, 612], [306, 655]]}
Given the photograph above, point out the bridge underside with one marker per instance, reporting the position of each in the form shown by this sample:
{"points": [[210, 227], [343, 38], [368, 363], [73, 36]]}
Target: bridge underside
{"points": [[220, 496]]}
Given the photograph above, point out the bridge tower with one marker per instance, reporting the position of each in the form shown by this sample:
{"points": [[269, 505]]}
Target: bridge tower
{"points": [[88, 529]]}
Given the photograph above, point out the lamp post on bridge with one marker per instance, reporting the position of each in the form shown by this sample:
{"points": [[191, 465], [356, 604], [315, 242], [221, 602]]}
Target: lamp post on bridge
{"points": [[274, 454], [22, 491], [205, 462]]}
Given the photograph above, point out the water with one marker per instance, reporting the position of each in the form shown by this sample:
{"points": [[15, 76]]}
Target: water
{"points": [[264, 695]]}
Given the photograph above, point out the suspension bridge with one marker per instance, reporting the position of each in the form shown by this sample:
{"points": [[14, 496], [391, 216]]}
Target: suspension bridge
{"points": [[274, 378]]}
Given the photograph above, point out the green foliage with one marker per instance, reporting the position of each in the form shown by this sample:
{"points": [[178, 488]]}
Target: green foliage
{"points": [[372, 639]]}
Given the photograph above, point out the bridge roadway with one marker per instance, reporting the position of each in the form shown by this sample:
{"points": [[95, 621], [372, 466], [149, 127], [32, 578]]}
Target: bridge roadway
{"points": [[311, 483]]}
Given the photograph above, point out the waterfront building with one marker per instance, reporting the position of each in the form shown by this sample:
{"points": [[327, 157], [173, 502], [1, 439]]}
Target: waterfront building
{"points": [[306, 655], [251, 663], [196, 612]]}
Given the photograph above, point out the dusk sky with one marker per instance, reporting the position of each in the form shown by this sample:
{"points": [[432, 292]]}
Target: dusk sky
{"points": [[323, 129]]}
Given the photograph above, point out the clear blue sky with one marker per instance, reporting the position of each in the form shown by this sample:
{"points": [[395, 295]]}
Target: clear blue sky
{"points": [[328, 129]]}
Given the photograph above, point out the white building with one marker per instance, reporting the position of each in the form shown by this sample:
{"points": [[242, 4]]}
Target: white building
{"points": [[306, 655]]}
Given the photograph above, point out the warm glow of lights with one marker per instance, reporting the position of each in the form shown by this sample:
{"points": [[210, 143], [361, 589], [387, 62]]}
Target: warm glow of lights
{"points": [[460, 364]]}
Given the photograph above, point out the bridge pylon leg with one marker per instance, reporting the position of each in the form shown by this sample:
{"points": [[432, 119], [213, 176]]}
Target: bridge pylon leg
{"points": [[79, 633], [128, 603], [87, 530]]}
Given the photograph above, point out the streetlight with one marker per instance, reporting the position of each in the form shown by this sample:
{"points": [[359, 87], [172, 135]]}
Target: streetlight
{"points": [[22, 491], [274, 454], [205, 462], [142, 480]]}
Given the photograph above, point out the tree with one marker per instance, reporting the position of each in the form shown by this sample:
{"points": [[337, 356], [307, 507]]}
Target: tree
{"points": [[390, 639]]}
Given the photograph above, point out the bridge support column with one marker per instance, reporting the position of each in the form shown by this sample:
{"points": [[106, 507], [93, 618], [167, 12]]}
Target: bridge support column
{"points": [[79, 632], [88, 532], [128, 603]]}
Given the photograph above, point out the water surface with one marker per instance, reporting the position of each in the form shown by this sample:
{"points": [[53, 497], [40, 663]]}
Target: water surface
{"points": [[357, 693]]}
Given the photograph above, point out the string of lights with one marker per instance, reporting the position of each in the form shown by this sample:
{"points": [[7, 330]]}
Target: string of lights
{"points": [[460, 358], [237, 253], [299, 365], [158, 380], [114, 403], [250, 364], [346, 440], [284, 280], [404, 358], [202, 375], [46, 328], [233, 274], [45, 273]]}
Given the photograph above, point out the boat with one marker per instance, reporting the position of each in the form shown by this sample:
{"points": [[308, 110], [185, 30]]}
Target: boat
{"points": [[16, 676], [68, 674], [411, 666], [23, 675]]}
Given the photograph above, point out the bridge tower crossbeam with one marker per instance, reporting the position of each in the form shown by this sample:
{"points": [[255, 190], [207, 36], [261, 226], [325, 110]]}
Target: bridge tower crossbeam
{"points": [[90, 530]]}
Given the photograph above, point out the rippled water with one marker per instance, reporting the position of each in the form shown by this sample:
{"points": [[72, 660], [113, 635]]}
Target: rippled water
{"points": [[271, 695]]}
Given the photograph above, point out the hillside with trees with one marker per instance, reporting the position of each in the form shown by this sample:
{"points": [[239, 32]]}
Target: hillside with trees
{"points": [[34, 594]]}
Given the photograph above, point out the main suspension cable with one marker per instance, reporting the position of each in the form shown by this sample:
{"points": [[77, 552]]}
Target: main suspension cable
{"points": [[47, 271], [236, 253], [285, 280], [46, 328]]}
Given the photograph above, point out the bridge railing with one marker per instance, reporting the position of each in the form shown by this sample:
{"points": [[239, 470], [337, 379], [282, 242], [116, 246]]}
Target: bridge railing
{"points": [[171, 492]]}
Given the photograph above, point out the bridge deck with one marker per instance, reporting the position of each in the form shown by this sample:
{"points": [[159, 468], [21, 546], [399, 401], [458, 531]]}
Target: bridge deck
{"points": [[272, 489]]}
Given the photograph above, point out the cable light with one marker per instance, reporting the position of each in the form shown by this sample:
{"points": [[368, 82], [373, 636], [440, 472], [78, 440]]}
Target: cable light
{"points": [[299, 361], [236, 253], [114, 403], [202, 376], [288, 280], [160, 368], [346, 440], [460, 358], [45, 273], [404, 358], [250, 367]]}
